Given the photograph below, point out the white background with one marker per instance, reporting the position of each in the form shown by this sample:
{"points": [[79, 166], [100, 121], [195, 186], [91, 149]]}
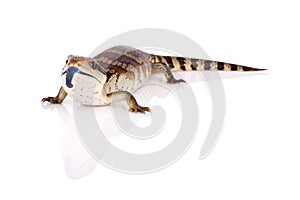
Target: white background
{"points": [[257, 156]]}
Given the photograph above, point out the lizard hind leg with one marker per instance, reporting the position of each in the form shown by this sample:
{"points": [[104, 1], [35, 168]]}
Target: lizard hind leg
{"points": [[129, 98], [167, 72]]}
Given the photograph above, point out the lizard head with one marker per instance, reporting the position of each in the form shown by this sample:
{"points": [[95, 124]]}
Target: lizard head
{"points": [[81, 67], [83, 76]]}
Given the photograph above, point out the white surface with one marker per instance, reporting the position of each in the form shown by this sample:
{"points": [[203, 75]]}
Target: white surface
{"points": [[257, 156]]}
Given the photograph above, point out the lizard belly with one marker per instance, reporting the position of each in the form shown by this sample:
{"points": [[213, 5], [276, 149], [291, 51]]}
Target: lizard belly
{"points": [[85, 90]]}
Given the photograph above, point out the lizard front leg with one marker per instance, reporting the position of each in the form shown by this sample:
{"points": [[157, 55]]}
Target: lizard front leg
{"points": [[58, 99], [166, 71], [129, 98]]}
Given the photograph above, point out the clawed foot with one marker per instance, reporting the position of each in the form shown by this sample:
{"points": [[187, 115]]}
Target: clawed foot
{"points": [[139, 109], [53, 100]]}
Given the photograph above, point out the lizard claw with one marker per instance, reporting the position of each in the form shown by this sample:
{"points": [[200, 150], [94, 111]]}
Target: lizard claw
{"points": [[53, 100], [140, 109]]}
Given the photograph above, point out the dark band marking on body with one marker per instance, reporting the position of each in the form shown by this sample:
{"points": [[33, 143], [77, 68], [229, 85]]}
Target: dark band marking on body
{"points": [[136, 54], [233, 67], [159, 59], [220, 65], [207, 64], [128, 60], [95, 65], [194, 64], [181, 62], [169, 61]]}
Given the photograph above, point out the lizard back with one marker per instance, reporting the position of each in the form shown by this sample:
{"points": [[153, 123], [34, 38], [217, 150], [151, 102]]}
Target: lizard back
{"points": [[126, 68]]}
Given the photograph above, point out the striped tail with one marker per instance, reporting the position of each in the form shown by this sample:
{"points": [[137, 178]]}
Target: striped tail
{"points": [[188, 64]]}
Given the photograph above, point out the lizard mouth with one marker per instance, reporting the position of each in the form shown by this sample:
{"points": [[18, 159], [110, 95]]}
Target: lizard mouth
{"points": [[70, 74]]}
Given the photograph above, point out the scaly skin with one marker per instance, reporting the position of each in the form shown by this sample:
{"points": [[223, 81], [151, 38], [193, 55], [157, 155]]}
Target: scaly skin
{"points": [[120, 70]]}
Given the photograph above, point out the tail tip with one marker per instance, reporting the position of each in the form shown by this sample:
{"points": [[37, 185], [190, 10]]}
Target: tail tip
{"points": [[255, 69], [261, 69]]}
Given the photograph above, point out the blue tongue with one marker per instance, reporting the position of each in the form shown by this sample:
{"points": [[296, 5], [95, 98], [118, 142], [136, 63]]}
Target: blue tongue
{"points": [[70, 73]]}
